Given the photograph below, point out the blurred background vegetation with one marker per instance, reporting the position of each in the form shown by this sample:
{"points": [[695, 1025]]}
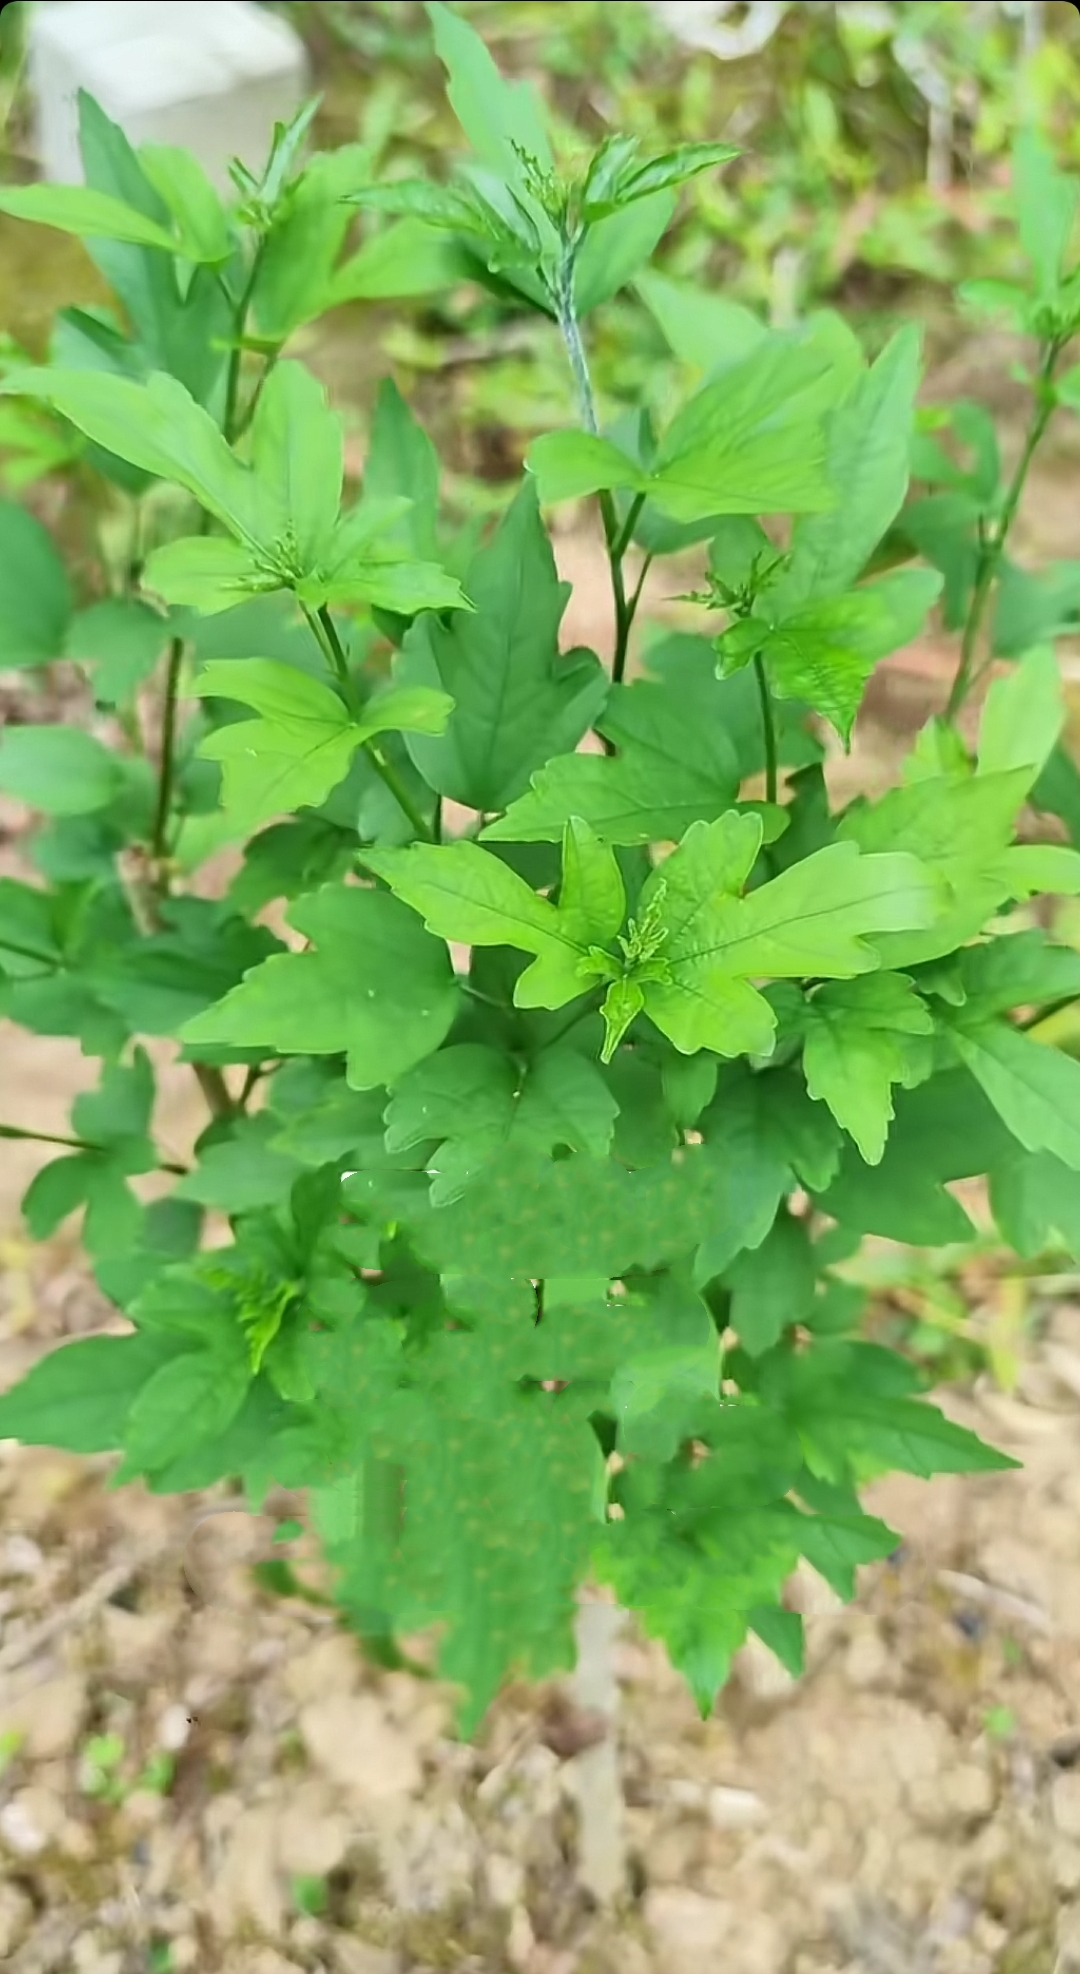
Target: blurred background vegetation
{"points": [[874, 138], [866, 127]]}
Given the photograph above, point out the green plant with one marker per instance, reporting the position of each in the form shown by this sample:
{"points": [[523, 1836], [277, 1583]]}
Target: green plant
{"points": [[542, 1143], [309, 1893], [11, 1741], [102, 1756], [999, 1723], [158, 1775]]}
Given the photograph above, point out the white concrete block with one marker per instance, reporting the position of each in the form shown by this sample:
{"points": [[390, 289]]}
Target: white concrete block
{"points": [[212, 75], [704, 24]]}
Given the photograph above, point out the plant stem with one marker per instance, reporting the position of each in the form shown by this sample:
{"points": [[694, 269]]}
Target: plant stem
{"points": [[635, 597], [624, 616], [992, 547], [594, 1776], [27, 952], [581, 1015], [630, 523], [167, 770], [210, 1080], [253, 1076], [146, 892], [489, 1001], [236, 354], [145, 896], [15, 1131], [253, 401], [324, 631], [616, 538], [570, 330], [214, 1088], [1047, 1012], [391, 779], [135, 545], [768, 727]]}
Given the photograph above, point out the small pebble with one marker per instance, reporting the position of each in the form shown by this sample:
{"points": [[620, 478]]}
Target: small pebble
{"points": [[29, 1821], [20, 1556], [1065, 1865], [969, 1791], [174, 1728], [16, 1918], [520, 1940], [866, 1662], [735, 1809], [505, 1878], [1065, 1803]]}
